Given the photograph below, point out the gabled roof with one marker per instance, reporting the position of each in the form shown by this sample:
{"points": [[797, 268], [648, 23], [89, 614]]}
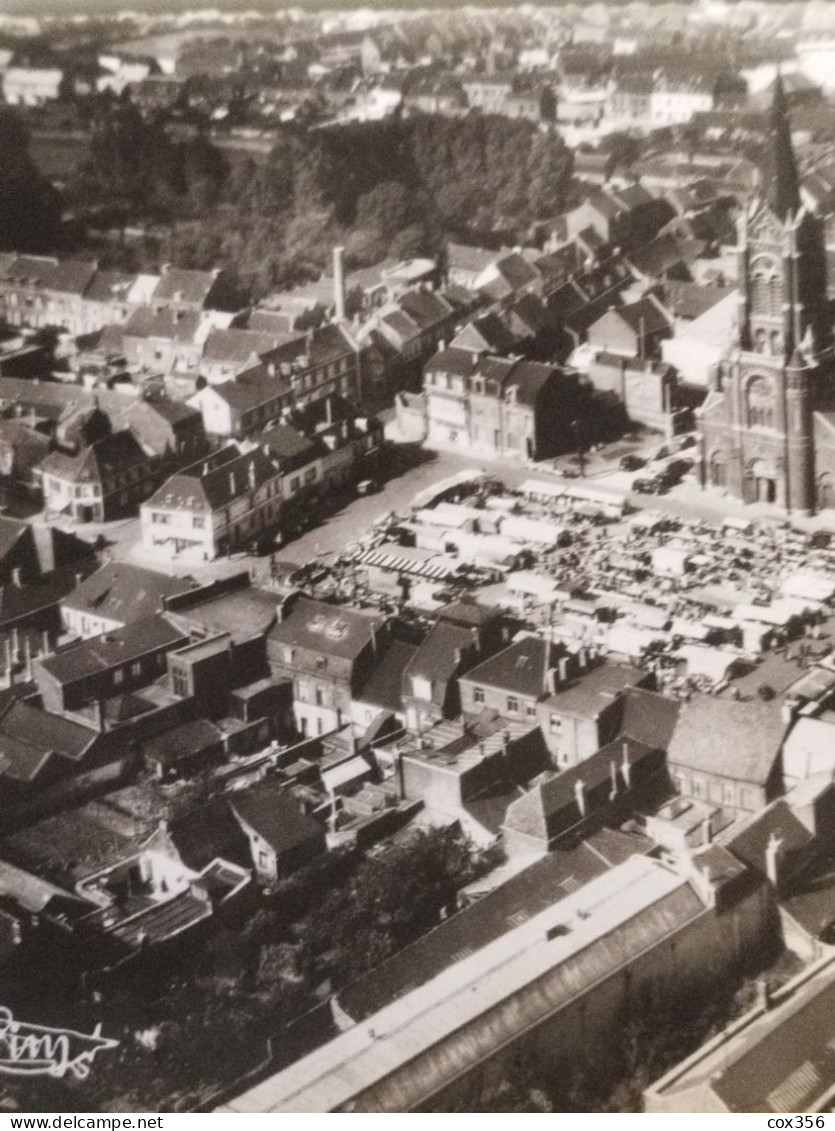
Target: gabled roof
{"points": [[274, 814], [732, 739], [551, 808], [384, 687], [446, 649], [171, 325], [112, 649], [241, 346], [333, 630], [595, 690], [123, 592], [521, 668], [103, 459], [67, 276], [649, 717], [215, 481], [180, 285]]}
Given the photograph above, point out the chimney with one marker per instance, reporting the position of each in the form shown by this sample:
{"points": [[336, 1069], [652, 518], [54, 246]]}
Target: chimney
{"points": [[707, 832], [231, 482], [582, 659], [562, 667], [459, 657], [100, 715], [27, 661], [580, 795], [45, 647], [328, 410], [551, 680], [374, 638], [15, 646], [338, 284], [251, 470], [626, 767], [613, 792], [772, 864], [16, 576]]}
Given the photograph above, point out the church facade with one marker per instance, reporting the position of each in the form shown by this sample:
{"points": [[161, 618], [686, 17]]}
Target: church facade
{"points": [[768, 422]]}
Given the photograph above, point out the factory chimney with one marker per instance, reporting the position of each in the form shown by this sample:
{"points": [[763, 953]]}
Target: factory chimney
{"points": [[338, 284]]}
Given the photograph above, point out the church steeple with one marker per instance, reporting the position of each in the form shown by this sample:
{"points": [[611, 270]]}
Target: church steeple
{"points": [[781, 186]]}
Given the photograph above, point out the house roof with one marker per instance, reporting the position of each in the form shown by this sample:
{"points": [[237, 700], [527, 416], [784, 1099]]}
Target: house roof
{"points": [[437, 659], [215, 481], [198, 736], [123, 592], [30, 736], [110, 286], [594, 690], [11, 531], [74, 844], [551, 808], [729, 738], [384, 687], [240, 346], [146, 322], [179, 285], [331, 629], [68, 276], [274, 814], [111, 649], [691, 300], [521, 668], [101, 460], [649, 717]]}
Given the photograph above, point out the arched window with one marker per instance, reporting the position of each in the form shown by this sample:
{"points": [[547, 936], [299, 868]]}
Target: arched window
{"points": [[760, 403], [760, 294], [775, 342], [760, 340], [775, 295]]}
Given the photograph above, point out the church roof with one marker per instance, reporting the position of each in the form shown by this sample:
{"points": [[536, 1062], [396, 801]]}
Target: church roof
{"points": [[780, 182]]}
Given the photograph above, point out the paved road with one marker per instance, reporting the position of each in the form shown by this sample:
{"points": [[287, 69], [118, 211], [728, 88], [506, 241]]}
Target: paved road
{"points": [[417, 469]]}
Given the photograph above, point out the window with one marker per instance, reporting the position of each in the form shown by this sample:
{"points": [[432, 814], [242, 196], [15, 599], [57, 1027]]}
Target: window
{"points": [[179, 681], [118, 676], [530, 710], [555, 725], [478, 694], [294, 484], [198, 522], [136, 669], [263, 860], [319, 696], [728, 794], [512, 704], [160, 519], [310, 475], [698, 787]]}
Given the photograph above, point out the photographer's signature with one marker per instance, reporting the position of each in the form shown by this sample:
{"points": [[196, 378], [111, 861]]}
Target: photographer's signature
{"points": [[35, 1050]]}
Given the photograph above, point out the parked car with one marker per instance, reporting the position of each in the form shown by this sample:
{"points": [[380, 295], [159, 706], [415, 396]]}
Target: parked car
{"points": [[632, 463], [368, 487]]}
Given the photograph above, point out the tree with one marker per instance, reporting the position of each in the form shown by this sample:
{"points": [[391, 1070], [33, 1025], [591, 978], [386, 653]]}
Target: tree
{"points": [[30, 210]]}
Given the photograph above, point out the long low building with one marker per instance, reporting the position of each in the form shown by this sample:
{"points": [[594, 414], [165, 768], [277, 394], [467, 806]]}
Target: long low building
{"points": [[777, 1057], [560, 981]]}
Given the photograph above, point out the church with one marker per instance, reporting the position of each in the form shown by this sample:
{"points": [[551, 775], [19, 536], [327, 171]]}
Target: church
{"points": [[768, 422]]}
